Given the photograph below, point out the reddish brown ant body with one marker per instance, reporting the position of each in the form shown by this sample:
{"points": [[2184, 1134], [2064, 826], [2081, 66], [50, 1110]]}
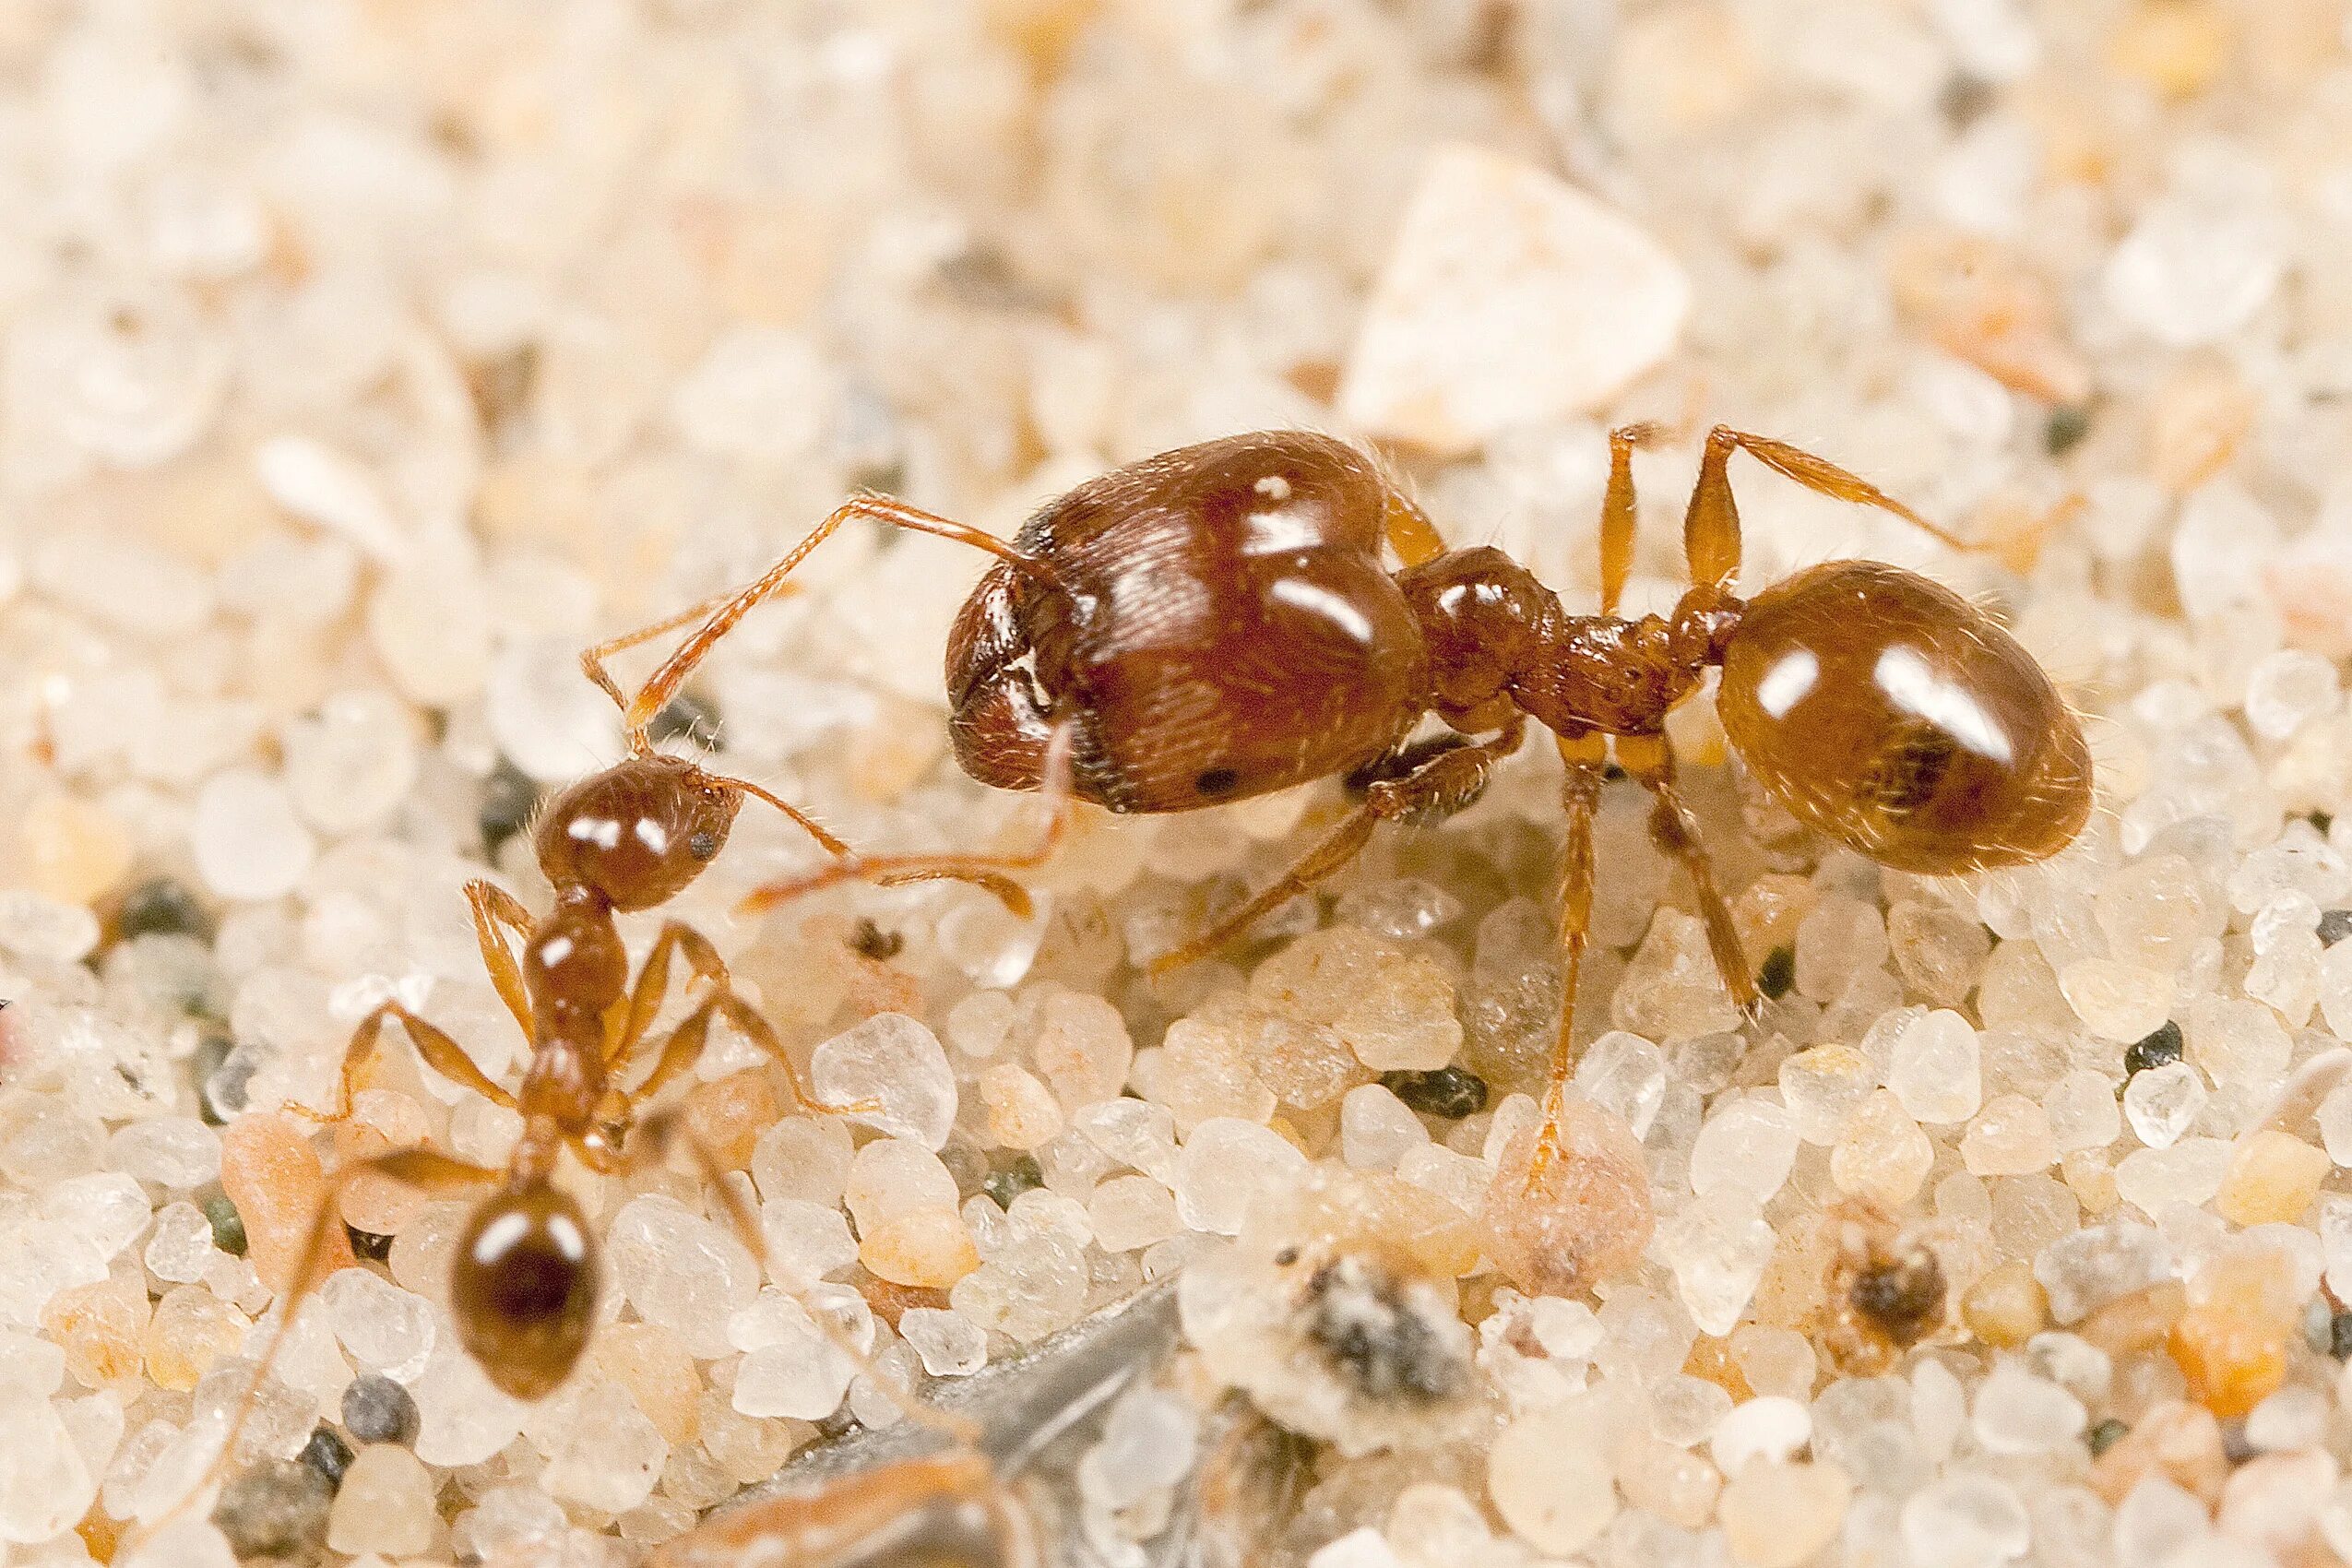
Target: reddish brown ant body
{"points": [[1220, 621]]}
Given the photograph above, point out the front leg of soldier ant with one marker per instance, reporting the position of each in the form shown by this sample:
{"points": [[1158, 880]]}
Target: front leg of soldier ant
{"points": [[1446, 783], [1674, 828], [440, 1053]]}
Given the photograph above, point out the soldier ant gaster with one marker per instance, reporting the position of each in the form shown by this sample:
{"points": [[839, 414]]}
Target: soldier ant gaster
{"points": [[1220, 621]]}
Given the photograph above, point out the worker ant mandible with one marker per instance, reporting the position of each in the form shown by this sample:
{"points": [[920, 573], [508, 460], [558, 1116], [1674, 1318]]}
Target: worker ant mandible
{"points": [[1219, 622]]}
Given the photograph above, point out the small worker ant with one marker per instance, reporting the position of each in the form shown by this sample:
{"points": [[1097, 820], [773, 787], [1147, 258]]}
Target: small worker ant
{"points": [[524, 1281], [1219, 622]]}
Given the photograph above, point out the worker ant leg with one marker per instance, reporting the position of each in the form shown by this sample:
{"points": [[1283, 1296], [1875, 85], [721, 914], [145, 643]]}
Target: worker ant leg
{"points": [[1445, 784], [493, 907], [653, 983], [424, 1170], [1675, 829], [1586, 756], [440, 1053], [987, 871], [1711, 528], [723, 613]]}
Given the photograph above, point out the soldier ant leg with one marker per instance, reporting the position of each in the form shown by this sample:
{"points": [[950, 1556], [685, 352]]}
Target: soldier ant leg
{"points": [[987, 871], [1619, 513], [493, 907], [1445, 784], [1586, 756], [1711, 528], [440, 1053], [1674, 828]]}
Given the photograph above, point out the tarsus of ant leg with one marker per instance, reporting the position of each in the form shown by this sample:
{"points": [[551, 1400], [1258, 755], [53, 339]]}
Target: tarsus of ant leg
{"points": [[665, 682], [658, 1131], [1579, 797], [492, 906], [1711, 529], [1674, 828], [440, 1053], [986, 872], [424, 1170], [1439, 787]]}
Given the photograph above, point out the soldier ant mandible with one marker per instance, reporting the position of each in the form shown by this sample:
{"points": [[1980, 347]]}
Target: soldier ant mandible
{"points": [[1218, 622]]}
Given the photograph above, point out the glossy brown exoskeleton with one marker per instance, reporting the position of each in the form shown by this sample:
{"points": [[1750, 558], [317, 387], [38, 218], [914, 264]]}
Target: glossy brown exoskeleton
{"points": [[1250, 613]]}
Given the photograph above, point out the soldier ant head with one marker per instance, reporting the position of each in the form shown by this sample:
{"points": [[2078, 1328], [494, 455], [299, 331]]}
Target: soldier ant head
{"points": [[639, 832], [523, 1288]]}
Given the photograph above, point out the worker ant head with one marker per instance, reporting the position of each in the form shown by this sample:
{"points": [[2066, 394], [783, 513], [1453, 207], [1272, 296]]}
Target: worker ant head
{"points": [[639, 832]]}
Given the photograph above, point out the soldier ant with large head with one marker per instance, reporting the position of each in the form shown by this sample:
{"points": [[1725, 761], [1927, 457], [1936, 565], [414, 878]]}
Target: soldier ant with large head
{"points": [[1220, 621]]}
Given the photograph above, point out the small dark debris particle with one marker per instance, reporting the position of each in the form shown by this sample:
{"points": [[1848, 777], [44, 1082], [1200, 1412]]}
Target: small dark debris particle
{"points": [[2339, 1336], [872, 942], [327, 1453], [1611, 772], [275, 1510], [1013, 1178], [502, 386], [1449, 1092], [1285, 1257], [1378, 1337], [2065, 429], [376, 1410], [2234, 1447], [228, 1225], [1779, 972], [162, 906], [2334, 926], [1902, 1295], [508, 797], [2105, 1435], [368, 1244], [2158, 1049], [2322, 821], [689, 714], [1965, 98]]}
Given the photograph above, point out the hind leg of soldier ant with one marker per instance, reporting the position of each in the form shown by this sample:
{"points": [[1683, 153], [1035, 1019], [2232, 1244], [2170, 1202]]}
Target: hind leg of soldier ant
{"points": [[1674, 828], [1711, 526], [989, 872], [1446, 783]]}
